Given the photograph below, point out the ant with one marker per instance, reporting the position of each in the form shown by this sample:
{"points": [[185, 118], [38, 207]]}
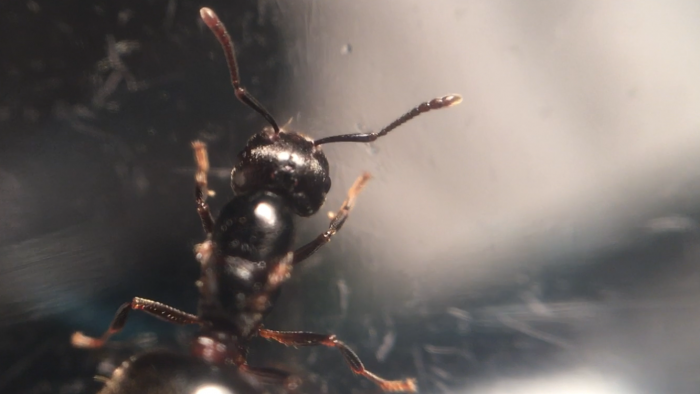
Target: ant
{"points": [[248, 252]]}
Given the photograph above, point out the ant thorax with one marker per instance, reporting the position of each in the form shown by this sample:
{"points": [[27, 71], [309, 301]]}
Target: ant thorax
{"points": [[251, 236]]}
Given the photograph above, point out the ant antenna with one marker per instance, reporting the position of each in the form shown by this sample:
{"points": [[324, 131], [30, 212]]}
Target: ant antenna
{"points": [[437, 103], [217, 27]]}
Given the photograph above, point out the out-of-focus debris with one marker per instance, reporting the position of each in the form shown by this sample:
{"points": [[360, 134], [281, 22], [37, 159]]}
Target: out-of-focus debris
{"points": [[82, 111], [448, 351], [536, 305], [105, 367], [145, 340], [344, 295], [440, 349], [418, 362], [124, 16], [119, 71], [441, 373], [33, 6], [387, 346], [443, 387], [535, 333], [671, 224], [459, 313]]}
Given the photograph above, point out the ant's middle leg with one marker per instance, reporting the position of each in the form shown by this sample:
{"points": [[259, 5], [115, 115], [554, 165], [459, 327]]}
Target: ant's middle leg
{"points": [[201, 192], [153, 308], [337, 222], [300, 338]]}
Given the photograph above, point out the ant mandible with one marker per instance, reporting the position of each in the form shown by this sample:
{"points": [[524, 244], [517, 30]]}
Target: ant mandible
{"points": [[249, 252]]}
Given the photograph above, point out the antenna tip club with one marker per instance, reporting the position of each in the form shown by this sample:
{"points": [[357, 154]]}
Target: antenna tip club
{"points": [[452, 99], [209, 17]]}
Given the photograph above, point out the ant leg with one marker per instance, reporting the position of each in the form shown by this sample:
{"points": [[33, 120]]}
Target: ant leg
{"points": [[217, 27], [272, 376], [153, 308], [337, 222], [436, 103], [201, 192], [300, 338]]}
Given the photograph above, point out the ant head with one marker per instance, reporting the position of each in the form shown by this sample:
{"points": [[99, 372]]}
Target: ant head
{"points": [[286, 163]]}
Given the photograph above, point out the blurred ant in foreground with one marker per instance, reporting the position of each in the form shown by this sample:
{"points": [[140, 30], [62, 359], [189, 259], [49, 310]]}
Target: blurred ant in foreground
{"points": [[249, 251]]}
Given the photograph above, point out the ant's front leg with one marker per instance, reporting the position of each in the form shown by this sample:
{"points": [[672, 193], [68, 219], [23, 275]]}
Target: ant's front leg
{"points": [[201, 192], [300, 338], [153, 308], [337, 221]]}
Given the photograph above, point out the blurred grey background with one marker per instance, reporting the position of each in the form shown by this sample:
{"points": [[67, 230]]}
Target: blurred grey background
{"points": [[539, 238]]}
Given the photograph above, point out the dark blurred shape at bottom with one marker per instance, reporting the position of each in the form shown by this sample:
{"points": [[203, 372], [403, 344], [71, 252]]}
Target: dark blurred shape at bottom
{"points": [[161, 372]]}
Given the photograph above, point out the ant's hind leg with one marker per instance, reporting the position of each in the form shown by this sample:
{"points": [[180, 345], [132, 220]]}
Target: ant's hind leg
{"points": [[201, 192], [337, 222], [153, 308], [300, 338]]}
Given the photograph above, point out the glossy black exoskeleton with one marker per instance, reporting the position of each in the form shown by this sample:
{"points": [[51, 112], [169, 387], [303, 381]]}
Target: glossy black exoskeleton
{"points": [[164, 372], [249, 251]]}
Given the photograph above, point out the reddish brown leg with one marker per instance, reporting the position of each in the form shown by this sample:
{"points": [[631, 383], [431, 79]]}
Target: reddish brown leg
{"points": [[201, 192], [337, 221], [300, 338], [153, 308]]}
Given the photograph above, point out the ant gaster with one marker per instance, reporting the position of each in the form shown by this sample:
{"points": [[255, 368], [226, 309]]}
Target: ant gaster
{"points": [[249, 251]]}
